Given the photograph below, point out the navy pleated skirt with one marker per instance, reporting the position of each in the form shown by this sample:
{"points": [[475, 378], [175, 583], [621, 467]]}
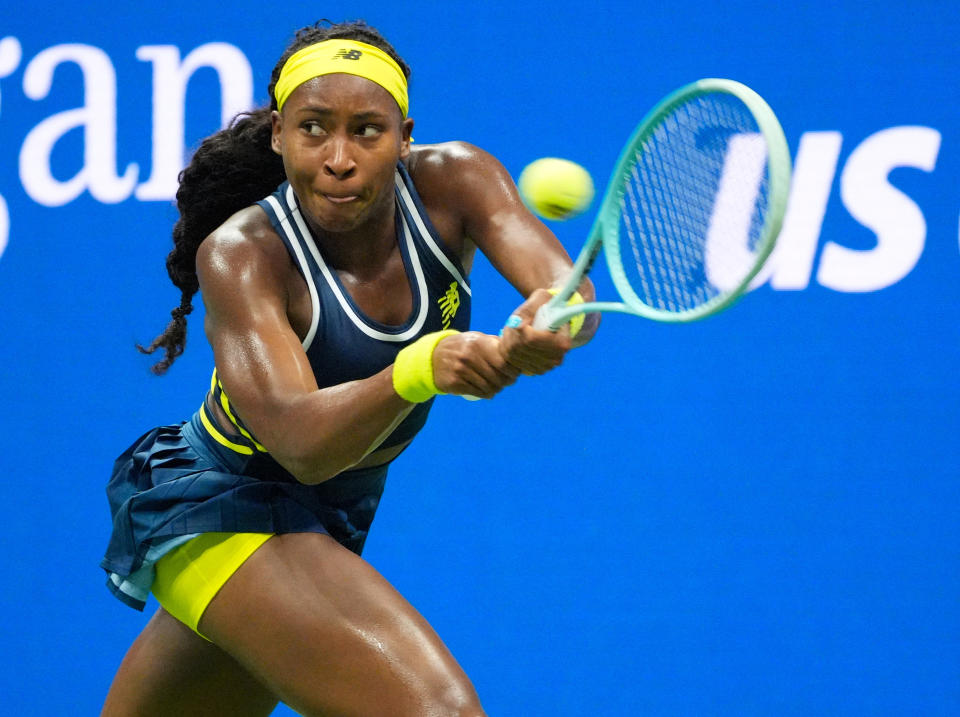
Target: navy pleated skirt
{"points": [[175, 482]]}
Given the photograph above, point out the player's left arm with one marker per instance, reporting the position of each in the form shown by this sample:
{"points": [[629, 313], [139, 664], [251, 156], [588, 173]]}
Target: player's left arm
{"points": [[519, 246]]}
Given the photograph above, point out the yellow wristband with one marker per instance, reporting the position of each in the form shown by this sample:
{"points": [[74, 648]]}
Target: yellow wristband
{"points": [[413, 368], [576, 322]]}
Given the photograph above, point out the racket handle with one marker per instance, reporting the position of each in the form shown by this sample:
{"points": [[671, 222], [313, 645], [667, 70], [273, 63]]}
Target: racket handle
{"points": [[543, 318]]}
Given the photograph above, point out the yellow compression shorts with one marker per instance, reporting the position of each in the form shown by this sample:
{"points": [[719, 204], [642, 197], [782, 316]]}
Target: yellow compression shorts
{"points": [[189, 576]]}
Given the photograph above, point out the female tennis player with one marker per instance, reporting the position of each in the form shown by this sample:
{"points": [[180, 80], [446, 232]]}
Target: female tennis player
{"points": [[333, 259]]}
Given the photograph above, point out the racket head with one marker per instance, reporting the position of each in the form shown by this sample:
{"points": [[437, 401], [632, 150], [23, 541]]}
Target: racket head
{"points": [[695, 202]]}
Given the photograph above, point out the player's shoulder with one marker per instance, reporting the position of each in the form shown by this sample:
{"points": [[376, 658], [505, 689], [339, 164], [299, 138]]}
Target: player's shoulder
{"points": [[444, 159], [454, 169], [245, 242]]}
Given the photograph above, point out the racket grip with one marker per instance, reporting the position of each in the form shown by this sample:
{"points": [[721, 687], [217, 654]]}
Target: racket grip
{"points": [[543, 318]]}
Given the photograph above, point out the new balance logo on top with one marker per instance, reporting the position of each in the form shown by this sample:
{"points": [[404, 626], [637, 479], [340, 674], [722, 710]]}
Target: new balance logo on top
{"points": [[348, 55], [449, 303]]}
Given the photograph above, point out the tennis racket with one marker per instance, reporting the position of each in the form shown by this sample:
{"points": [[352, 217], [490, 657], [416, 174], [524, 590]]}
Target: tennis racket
{"points": [[692, 210]]}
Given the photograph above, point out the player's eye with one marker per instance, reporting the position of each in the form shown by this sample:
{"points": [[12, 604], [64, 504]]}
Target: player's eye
{"points": [[313, 129], [369, 130]]}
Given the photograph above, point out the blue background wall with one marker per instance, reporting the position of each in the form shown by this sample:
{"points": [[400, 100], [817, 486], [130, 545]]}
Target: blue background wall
{"points": [[756, 514]]}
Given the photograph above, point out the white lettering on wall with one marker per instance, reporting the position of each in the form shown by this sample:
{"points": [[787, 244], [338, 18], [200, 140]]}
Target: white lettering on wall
{"points": [[170, 78], [871, 200], [10, 55], [4, 225], [791, 264], [895, 219], [98, 119]]}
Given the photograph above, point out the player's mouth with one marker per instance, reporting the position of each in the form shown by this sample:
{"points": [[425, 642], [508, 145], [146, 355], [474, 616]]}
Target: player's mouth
{"points": [[341, 199]]}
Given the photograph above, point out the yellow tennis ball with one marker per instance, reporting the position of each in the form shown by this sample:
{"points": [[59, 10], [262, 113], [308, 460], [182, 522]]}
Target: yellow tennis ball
{"points": [[555, 188]]}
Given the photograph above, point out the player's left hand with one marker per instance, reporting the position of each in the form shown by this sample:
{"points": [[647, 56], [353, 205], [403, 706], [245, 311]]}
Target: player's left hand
{"points": [[533, 351]]}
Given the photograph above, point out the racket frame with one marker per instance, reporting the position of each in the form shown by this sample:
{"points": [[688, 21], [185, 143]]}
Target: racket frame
{"points": [[605, 232]]}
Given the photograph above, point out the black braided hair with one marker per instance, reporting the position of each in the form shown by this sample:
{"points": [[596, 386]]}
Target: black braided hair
{"points": [[231, 170]]}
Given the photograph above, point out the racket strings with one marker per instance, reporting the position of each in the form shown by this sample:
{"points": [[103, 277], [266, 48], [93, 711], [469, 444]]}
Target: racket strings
{"points": [[693, 203], [674, 227], [658, 233]]}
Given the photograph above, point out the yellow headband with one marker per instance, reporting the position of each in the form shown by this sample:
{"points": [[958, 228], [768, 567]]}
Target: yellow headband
{"points": [[344, 56]]}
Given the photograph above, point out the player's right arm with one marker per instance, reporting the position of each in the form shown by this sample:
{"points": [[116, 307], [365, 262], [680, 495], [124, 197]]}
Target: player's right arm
{"points": [[314, 433]]}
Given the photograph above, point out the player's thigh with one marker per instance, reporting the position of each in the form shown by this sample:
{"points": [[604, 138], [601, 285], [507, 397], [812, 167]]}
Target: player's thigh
{"points": [[170, 670], [331, 636]]}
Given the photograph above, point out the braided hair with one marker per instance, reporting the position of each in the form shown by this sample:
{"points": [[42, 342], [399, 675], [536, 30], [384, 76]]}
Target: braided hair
{"points": [[231, 170]]}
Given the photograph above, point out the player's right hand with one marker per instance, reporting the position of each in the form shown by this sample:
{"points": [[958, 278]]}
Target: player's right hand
{"points": [[534, 351], [471, 363]]}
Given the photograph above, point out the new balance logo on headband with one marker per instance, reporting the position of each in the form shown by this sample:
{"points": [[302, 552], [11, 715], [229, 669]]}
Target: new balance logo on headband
{"points": [[348, 55]]}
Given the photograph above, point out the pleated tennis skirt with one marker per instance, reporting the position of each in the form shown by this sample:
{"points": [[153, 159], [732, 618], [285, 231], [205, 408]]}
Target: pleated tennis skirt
{"points": [[175, 482]]}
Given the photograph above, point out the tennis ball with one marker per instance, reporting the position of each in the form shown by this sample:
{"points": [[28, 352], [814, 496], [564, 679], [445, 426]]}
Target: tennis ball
{"points": [[555, 188]]}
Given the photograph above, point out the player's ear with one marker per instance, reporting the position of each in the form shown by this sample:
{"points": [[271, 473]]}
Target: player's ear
{"points": [[277, 125], [406, 137]]}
